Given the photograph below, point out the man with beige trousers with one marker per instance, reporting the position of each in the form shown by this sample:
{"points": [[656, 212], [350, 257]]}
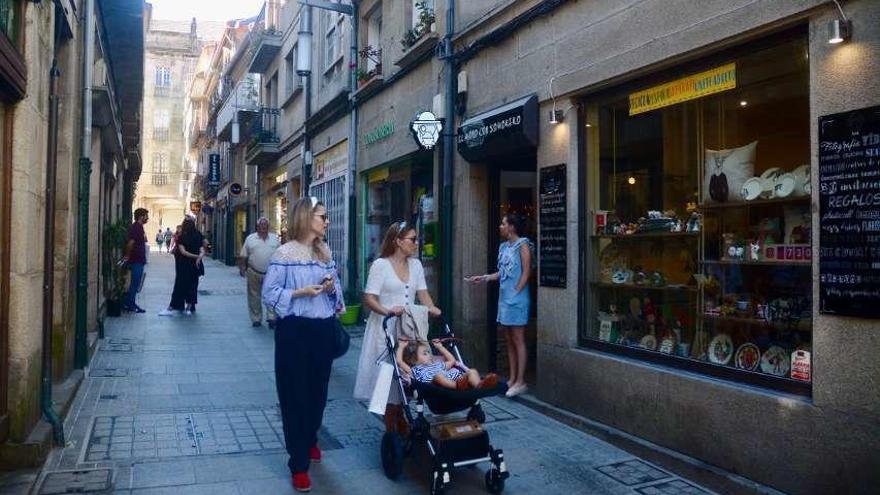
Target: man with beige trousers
{"points": [[253, 262]]}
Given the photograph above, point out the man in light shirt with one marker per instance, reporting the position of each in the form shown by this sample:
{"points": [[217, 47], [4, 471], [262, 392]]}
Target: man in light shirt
{"points": [[253, 262]]}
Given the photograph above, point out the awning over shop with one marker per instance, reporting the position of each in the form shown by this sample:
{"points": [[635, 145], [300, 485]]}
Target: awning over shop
{"points": [[507, 129]]}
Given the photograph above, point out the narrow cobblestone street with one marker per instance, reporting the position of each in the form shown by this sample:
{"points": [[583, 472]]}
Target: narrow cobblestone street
{"points": [[187, 405]]}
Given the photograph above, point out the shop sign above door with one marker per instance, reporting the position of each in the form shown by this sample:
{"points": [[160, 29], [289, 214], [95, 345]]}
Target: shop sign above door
{"points": [[331, 162], [426, 129], [235, 189], [687, 88], [501, 131], [382, 132], [214, 169]]}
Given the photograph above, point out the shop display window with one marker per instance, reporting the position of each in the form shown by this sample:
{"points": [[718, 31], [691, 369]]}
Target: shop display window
{"points": [[698, 194]]}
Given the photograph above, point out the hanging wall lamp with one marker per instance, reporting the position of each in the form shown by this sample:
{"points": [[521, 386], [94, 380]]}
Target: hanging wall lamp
{"points": [[839, 30]]}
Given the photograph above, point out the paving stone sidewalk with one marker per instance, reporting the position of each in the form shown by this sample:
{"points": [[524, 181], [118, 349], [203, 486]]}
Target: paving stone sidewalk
{"points": [[187, 405]]}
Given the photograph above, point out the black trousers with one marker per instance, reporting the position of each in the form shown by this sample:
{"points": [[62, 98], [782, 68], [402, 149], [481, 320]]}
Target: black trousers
{"points": [[303, 360], [186, 285]]}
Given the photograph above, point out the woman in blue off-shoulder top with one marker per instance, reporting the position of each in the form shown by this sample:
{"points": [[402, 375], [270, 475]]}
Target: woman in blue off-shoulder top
{"points": [[302, 286]]}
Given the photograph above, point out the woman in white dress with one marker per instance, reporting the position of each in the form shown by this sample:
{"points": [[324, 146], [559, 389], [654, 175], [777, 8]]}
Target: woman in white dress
{"points": [[396, 280]]}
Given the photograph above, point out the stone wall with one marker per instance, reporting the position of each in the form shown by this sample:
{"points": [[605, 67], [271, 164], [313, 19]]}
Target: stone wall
{"points": [[28, 213]]}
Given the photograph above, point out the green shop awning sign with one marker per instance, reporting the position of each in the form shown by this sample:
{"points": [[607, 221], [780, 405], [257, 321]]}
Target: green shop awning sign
{"points": [[382, 132]]}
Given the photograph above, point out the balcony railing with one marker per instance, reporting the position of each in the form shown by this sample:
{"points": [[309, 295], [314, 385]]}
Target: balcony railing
{"points": [[245, 97], [264, 145]]}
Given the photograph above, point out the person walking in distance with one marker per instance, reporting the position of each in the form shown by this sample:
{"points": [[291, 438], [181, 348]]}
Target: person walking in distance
{"points": [[514, 269], [253, 260], [160, 238], [168, 236], [135, 253], [302, 286]]}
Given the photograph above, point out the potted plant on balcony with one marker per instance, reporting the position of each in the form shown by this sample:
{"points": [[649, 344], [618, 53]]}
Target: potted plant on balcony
{"points": [[424, 25], [114, 238], [370, 54]]}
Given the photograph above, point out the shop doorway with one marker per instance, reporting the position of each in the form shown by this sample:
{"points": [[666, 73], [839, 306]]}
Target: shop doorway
{"points": [[512, 189]]}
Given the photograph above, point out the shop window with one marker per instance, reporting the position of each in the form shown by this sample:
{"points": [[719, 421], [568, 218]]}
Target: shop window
{"points": [[404, 194], [699, 241]]}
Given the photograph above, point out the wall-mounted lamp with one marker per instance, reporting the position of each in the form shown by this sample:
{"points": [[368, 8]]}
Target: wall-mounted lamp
{"points": [[839, 30], [556, 116]]}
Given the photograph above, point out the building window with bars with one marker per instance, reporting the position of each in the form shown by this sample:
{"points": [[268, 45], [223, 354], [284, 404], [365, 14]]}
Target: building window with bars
{"points": [[333, 194], [160, 170], [161, 125], [162, 84]]}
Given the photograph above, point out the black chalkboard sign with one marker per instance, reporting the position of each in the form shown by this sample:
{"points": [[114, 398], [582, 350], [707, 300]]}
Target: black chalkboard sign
{"points": [[849, 208], [552, 241]]}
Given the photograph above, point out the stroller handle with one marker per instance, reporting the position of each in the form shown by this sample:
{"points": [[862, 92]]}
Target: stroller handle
{"points": [[447, 330]]}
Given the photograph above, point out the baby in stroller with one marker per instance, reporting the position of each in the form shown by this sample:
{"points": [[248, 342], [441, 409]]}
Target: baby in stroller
{"points": [[415, 359]]}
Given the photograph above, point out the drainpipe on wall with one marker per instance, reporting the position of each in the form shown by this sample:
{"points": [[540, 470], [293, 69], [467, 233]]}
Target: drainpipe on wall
{"points": [[305, 24], [49, 259], [446, 278], [352, 157], [81, 350]]}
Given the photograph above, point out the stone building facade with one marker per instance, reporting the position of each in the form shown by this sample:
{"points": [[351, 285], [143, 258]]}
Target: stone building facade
{"points": [[172, 50], [47, 336]]}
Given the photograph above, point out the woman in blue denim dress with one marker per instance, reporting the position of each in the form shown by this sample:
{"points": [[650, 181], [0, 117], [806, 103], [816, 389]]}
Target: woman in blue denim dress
{"points": [[514, 269]]}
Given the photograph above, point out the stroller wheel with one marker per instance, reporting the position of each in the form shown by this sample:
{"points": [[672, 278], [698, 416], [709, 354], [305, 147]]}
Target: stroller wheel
{"points": [[392, 455], [477, 414], [494, 481]]}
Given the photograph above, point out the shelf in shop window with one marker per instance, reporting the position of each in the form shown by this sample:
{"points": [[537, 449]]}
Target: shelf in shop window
{"points": [[664, 288], [756, 202], [643, 235], [755, 321], [806, 263]]}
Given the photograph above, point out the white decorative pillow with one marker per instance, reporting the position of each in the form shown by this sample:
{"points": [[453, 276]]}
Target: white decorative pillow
{"points": [[726, 171]]}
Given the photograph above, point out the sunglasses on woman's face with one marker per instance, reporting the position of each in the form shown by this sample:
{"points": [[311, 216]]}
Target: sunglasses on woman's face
{"points": [[411, 239], [325, 217]]}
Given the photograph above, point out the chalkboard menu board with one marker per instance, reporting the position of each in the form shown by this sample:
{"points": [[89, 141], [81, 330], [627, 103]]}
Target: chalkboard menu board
{"points": [[849, 208], [552, 253]]}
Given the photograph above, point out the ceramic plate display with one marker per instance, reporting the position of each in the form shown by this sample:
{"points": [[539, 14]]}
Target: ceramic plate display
{"points": [[667, 345], [785, 185], [775, 361], [649, 342], [721, 349], [748, 357], [771, 173], [752, 189]]}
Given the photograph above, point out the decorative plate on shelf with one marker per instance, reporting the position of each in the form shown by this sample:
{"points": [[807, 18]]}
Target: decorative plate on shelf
{"points": [[649, 342], [785, 185], [776, 361], [667, 345], [752, 189], [748, 357], [721, 349]]}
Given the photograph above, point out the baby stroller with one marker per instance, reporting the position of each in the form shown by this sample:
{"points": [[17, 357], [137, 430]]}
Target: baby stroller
{"points": [[447, 450]]}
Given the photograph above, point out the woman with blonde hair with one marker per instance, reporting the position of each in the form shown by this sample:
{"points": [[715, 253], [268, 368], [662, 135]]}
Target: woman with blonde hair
{"points": [[302, 286], [395, 281]]}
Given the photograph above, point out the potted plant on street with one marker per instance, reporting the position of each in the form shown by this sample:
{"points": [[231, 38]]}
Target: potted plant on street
{"points": [[352, 313], [115, 236]]}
